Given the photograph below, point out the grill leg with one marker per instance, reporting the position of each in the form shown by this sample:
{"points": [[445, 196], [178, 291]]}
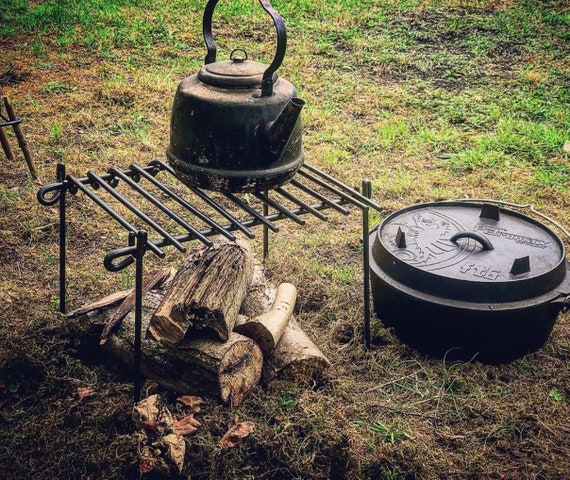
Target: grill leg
{"points": [[60, 173], [367, 192], [141, 244], [5, 145], [265, 230]]}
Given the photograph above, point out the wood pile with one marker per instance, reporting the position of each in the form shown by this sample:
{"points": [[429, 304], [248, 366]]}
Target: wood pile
{"points": [[215, 325]]}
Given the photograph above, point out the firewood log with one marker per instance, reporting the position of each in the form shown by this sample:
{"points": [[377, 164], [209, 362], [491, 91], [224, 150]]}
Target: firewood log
{"points": [[237, 363], [295, 358], [206, 293], [229, 369], [268, 328]]}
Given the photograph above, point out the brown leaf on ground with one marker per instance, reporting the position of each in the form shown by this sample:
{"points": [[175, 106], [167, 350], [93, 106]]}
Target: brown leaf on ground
{"points": [[192, 401], [233, 437], [152, 416], [186, 425]]}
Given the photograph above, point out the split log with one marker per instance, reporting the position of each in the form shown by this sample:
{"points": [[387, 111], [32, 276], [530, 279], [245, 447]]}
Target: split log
{"points": [[206, 293], [295, 358], [267, 329], [153, 279], [101, 304], [156, 362], [228, 369], [237, 363]]}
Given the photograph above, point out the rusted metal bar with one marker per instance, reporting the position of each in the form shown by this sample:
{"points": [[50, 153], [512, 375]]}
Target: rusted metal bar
{"points": [[20, 136], [5, 144]]}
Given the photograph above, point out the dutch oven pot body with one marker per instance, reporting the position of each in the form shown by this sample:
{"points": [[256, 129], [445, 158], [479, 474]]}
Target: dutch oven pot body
{"points": [[465, 280], [235, 125]]}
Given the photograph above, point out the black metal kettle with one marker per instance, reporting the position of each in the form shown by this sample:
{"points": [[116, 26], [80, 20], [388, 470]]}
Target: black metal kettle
{"points": [[235, 125]]}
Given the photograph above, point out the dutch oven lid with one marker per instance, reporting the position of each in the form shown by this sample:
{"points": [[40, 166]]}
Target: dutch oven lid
{"points": [[470, 251], [238, 72]]}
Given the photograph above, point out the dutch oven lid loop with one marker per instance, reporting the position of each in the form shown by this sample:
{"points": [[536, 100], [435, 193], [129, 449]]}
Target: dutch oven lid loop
{"points": [[470, 252], [242, 73]]}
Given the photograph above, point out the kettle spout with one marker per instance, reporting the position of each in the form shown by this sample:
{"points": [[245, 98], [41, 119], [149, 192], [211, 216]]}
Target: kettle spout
{"points": [[279, 131]]}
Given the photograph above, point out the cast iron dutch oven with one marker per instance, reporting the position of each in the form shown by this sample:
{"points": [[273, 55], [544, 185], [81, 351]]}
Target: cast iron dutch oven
{"points": [[468, 280]]}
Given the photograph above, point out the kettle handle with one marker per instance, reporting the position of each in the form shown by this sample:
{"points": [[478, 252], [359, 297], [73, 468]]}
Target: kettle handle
{"points": [[267, 79]]}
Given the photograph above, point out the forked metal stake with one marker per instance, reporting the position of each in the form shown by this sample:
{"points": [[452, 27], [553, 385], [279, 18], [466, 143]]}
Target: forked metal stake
{"points": [[11, 120]]}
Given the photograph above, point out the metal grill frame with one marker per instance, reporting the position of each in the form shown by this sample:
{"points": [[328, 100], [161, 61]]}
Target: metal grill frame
{"points": [[332, 194]]}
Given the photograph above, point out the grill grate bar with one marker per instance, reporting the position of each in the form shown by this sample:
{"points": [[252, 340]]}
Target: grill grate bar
{"points": [[96, 180], [137, 188], [210, 201], [254, 213], [340, 193], [205, 218], [329, 195], [352, 193], [109, 211], [319, 197], [272, 203], [303, 205]]}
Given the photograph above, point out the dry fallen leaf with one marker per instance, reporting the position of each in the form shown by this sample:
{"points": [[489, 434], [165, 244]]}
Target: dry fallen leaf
{"points": [[186, 425], [192, 401], [151, 415], [176, 448], [236, 434]]}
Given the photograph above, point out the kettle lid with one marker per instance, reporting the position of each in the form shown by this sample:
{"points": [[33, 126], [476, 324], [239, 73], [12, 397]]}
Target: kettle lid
{"points": [[238, 72]]}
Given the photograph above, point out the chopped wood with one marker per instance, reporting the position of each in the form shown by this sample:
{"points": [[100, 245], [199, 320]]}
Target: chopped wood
{"points": [[157, 362], [206, 293], [228, 369], [153, 279], [237, 363], [267, 329], [295, 358], [157, 279], [100, 304]]}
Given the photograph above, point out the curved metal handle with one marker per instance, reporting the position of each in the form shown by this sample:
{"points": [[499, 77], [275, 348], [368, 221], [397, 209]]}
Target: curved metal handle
{"points": [[267, 80], [50, 194], [484, 241], [119, 259]]}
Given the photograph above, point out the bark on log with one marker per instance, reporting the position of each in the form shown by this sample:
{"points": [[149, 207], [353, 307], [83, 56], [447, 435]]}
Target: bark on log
{"points": [[237, 363], [153, 280], [206, 293], [228, 369], [267, 329], [295, 358]]}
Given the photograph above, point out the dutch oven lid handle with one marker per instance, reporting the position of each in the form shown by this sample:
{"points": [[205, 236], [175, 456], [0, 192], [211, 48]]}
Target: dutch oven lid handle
{"points": [[484, 241], [267, 80]]}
